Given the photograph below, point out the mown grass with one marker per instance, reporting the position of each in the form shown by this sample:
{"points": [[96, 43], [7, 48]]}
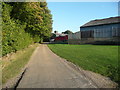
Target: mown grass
{"points": [[14, 68], [101, 59]]}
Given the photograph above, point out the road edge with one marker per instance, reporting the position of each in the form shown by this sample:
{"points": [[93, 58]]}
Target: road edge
{"points": [[14, 82]]}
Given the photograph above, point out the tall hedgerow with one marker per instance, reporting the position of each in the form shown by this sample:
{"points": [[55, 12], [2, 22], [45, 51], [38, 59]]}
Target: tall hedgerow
{"points": [[23, 24]]}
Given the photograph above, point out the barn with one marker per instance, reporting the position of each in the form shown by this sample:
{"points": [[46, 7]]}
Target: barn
{"points": [[59, 38], [62, 38], [102, 30]]}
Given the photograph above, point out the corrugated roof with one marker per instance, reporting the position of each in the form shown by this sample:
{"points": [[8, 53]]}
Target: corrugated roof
{"points": [[103, 21]]}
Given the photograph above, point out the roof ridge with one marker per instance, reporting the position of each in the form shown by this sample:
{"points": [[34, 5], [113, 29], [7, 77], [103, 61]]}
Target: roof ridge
{"points": [[102, 21], [106, 18]]}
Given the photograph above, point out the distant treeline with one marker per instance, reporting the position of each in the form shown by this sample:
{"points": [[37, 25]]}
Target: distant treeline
{"points": [[24, 23]]}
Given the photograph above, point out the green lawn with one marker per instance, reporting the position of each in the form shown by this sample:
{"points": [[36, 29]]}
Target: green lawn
{"points": [[101, 59], [14, 66]]}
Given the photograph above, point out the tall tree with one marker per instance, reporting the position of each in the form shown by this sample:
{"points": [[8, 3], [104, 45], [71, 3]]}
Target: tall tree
{"points": [[24, 23], [37, 17], [67, 32]]}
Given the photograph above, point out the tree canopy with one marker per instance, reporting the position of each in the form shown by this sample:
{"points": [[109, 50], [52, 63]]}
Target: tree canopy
{"points": [[67, 32], [24, 23]]}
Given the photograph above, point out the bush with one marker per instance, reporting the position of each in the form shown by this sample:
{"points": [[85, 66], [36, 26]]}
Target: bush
{"points": [[24, 23], [14, 37]]}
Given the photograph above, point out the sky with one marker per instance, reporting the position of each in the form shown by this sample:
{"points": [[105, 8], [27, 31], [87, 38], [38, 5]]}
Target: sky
{"points": [[72, 15]]}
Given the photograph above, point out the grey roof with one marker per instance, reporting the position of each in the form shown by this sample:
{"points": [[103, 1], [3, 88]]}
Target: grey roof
{"points": [[110, 20]]}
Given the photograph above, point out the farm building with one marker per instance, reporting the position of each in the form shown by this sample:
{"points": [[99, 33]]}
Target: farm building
{"points": [[60, 38], [74, 38], [101, 30]]}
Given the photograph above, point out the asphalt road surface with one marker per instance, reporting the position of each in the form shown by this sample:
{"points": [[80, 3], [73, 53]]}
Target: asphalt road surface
{"points": [[47, 70]]}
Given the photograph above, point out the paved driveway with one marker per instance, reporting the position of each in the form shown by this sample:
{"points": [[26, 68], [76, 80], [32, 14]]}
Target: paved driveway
{"points": [[47, 70]]}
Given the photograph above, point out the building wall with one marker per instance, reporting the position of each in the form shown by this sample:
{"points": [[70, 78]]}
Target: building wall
{"points": [[101, 33], [109, 33], [106, 31], [61, 39], [74, 38]]}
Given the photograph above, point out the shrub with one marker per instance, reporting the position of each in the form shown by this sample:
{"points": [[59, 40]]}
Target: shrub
{"points": [[14, 37]]}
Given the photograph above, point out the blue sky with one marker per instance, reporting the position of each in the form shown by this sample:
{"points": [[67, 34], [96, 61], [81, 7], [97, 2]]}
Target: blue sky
{"points": [[71, 15]]}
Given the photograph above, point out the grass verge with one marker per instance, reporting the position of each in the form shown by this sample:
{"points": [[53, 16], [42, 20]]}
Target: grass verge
{"points": [[101, 59], [20, 60]]}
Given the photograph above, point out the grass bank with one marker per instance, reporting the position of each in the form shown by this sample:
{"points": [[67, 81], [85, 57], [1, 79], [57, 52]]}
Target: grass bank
{"points": [[97, 58], [15, 64]]}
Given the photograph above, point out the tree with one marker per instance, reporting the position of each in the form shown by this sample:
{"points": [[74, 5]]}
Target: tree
{"points": [[37, 17], [24, 23], [67, 32], [53, 36]]}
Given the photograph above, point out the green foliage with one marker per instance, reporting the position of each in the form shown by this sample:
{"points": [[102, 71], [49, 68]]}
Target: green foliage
{"points": [[24, 23], [97, 58], [6, 9], [38, 19], [67, 32], [53, 36], [14, 37]]}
